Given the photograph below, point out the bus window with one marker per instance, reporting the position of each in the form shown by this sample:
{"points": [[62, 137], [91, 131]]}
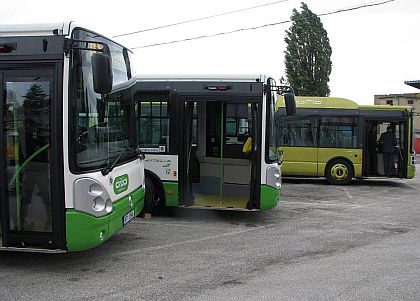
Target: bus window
{"points": [[238, 123], [338, 132], [153, 124], [301, 132]]}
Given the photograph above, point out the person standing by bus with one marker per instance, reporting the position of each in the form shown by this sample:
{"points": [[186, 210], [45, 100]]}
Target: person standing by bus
{"points": [[388, 141]]}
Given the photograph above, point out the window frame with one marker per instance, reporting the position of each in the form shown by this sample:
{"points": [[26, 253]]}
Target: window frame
{"points": [[149, 147], [355, 131]]}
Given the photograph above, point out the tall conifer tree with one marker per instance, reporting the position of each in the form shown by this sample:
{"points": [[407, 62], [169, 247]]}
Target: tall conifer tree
{"points": [[308, 54]]}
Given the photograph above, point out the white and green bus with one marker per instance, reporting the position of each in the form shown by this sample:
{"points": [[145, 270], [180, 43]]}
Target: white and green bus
{"points": [[338, 139], [193, 130], [72, 175]]}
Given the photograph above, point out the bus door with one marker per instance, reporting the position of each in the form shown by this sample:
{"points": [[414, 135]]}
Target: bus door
{"points": [[373, 163], [217, 173], [28, 215]]}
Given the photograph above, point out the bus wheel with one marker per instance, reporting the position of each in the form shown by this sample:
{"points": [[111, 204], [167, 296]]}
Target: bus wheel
{"points": [[339, 172], [149, 196]]}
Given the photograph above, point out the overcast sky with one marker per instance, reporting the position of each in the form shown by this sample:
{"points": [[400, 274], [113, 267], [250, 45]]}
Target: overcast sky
{"points": [[374, 49]]}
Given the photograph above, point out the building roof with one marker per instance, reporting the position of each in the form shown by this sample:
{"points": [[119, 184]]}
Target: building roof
{"points": [[413, 83]]}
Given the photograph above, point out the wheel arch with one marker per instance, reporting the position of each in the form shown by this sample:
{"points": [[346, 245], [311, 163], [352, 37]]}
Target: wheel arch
{"points": [[157, 183]]}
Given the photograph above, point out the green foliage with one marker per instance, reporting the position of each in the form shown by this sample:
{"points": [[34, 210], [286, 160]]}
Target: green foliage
{"points": [[308, 54], [35, 96]]}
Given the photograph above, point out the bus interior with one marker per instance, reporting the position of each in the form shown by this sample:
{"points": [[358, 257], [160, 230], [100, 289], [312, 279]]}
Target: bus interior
{"points": [[194, 143], [218, 172], [373, 163]]}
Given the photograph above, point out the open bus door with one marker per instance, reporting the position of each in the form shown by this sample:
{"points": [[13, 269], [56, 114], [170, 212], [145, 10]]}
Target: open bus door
{"points": [[215, 171], [373, 163]]}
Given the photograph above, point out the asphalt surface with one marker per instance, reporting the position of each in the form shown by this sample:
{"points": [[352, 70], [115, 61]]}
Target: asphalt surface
{"points": [[356, 242]]}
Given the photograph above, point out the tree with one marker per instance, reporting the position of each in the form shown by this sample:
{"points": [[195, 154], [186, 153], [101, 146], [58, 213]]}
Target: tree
{"points": [[35, 96], [308, 54]]}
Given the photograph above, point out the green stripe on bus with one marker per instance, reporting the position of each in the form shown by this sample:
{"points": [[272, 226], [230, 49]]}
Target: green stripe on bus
{"points": [[85, 231], [270, 197], [171, 193]]}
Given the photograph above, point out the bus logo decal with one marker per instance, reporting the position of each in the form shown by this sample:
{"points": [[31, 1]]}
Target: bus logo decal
{"points": [[309, 101], [121, 184]]}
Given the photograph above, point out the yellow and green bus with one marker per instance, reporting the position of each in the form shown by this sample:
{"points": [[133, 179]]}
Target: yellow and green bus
{"points": [[338, 139]]}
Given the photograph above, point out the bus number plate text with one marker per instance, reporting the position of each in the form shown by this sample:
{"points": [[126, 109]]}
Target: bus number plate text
{"points": [[128, 217]]}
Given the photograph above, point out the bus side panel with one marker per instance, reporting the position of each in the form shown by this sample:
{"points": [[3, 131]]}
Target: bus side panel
{"points": [[270, 197], [299, 161], [171, 193], [414, 144], [325, 155], [84, 231], [411, 171]]}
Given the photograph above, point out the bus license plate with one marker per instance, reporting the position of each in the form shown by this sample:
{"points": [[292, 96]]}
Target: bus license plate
{"points": [[128, 217]]}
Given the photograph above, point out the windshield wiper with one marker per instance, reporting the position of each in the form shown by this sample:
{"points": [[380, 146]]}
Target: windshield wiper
{"points": [[124, 151]]}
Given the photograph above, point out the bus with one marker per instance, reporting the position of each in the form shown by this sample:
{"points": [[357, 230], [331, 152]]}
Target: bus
{"points": [[210, 141], [72, 173], [338, 139]]}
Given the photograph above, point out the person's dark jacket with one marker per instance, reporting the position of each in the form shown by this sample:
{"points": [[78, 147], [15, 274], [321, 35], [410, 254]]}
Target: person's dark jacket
{"points": [[388, 142], [372, 145]]}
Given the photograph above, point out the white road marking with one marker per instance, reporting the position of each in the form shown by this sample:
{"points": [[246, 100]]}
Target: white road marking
{"points": [[412, 187], [321, 204], [177, 225], [190, 241], [348, 193]]}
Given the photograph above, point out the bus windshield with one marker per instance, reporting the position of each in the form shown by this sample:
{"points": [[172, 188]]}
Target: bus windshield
{"points": [[102, 123]]}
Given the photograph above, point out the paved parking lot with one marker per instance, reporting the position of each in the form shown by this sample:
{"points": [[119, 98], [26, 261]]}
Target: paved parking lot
{"points": [[356, 242]]}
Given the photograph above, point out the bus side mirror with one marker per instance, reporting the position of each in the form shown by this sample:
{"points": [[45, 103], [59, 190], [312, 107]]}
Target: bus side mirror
{"points": [[290, 103], [102, 71], [280, 155]]}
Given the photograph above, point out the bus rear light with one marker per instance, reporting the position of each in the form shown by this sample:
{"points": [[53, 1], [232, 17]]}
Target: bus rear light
{"points": [[7, 47]]}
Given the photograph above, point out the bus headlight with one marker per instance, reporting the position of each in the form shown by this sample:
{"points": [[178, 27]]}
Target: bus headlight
{"points": [[98, 204], [91, 197], [108, 206]]}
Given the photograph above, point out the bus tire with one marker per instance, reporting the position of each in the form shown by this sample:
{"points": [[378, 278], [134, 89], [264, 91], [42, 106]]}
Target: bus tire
{"points": [[339, 172], [149, 195]]}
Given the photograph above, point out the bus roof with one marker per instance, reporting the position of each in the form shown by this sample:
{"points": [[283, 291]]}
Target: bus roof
{"points": [[315, 102], [47, 29], [384, 107], [44, 29], [203, 77]]}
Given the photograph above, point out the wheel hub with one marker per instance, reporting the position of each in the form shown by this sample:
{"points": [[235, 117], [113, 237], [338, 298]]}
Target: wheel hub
{"points": [[339, 171]]}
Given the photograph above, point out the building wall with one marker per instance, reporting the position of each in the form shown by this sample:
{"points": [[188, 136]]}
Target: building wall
{"points": [[409, 99]]}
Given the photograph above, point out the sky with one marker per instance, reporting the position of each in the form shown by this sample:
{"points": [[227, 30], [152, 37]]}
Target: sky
{"points": [[374, 49]]}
